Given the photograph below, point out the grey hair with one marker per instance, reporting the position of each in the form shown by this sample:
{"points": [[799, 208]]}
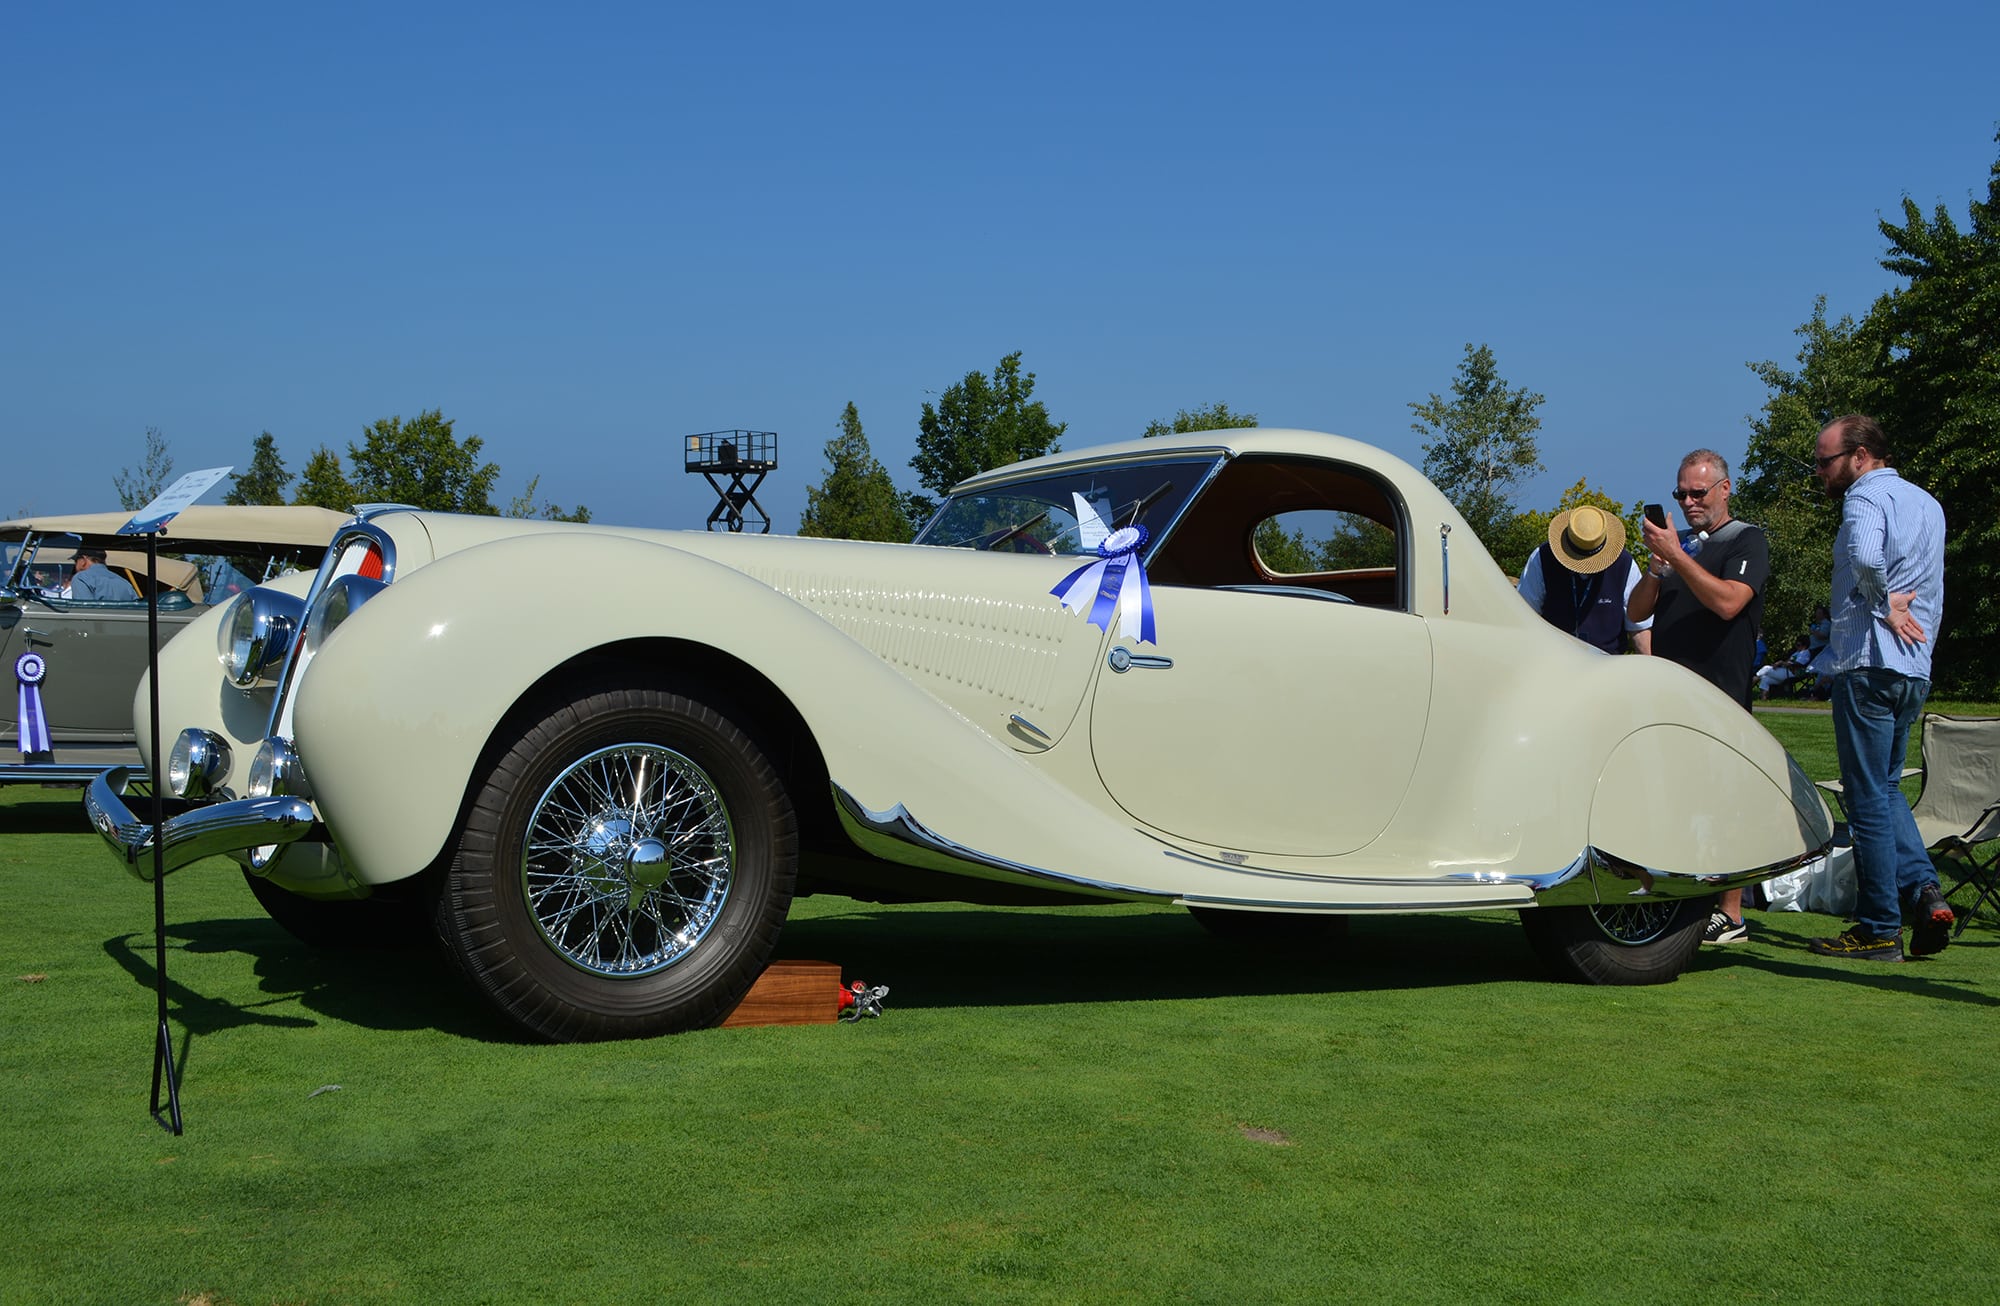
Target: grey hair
{"points": [[1707, 456]]}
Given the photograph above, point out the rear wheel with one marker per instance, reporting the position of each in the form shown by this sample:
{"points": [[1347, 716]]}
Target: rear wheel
{"points": [[1645, 942], [624, 870]]}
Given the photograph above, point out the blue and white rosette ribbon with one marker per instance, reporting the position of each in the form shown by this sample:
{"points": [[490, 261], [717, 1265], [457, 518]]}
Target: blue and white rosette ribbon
{"points": [[1115, 583], [29, 670]]}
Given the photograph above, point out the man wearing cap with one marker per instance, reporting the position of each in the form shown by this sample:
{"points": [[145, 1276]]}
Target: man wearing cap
{"points": [[1705, 593], [95, 581], [1581, 581]]}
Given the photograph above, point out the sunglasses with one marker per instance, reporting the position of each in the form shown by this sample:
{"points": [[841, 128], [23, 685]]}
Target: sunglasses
{"points": [[1694, 496], [1821, 464]]}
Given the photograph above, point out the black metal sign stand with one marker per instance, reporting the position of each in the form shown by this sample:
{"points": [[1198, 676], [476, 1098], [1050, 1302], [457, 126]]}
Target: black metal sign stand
{"points": [[164, 1070], [150, 521]]}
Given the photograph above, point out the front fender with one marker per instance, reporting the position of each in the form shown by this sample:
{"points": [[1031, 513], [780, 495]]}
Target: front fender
{"points": [[394, 711]]}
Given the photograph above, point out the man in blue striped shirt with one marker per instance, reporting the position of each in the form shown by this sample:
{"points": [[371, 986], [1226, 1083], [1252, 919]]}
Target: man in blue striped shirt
{"points": [[1888, 606]]}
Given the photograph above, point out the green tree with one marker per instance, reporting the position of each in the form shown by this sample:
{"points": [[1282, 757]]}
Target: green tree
{"points": [[1215, 417], [1482, 443], [1941, 373], [421, 463], [264, 480], [979, 424], [323, 485], [1286, 552], [139, 486], [1925, 362], [524, 505], [1837, 372], [856, 499]]}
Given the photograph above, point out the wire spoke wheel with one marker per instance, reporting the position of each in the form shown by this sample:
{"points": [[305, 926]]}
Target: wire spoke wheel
{"points": [[624, 867], [1645, 941], [1637, 922], [629, 859]]}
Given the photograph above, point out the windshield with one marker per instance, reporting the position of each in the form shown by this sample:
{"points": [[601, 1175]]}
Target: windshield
{"points": [[1067, 511]]}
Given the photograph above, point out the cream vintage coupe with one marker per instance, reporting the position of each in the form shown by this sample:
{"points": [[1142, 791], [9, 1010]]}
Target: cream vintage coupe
{"points": [[606, 796]]}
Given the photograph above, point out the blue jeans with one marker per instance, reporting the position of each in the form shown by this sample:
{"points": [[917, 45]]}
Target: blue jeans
{"points": [[1873, 710]]}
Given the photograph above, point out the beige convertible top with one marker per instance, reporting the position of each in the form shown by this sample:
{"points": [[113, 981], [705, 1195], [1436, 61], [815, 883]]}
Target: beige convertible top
{"points": [[295, 526]]}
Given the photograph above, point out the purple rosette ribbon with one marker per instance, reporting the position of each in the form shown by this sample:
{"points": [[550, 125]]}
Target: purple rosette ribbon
{"points": [[1114, 584], [29, 670]]}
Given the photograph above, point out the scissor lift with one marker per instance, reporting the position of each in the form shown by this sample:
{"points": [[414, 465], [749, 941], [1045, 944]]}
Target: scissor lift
{"points": [[745, 458]]}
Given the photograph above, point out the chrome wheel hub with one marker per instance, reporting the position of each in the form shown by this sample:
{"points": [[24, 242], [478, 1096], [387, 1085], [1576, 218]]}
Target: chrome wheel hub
{"points": [[629, 859]]}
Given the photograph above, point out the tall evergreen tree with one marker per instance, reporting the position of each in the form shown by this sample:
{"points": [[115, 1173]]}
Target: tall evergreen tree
{"points": [[856, 500], [264, 480], [323, 485]]}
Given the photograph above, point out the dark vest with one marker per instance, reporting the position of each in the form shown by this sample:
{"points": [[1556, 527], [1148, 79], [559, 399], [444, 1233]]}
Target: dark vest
{"points": [[1592, 608]]}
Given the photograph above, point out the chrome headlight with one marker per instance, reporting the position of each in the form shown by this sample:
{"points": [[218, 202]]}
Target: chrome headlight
{"points": [[275, 771], [340, 599], [200, 758], [255, 635]]}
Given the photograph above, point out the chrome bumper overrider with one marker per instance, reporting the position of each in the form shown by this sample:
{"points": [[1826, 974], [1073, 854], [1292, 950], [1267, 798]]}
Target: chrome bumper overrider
{"points": [[204, 832]]}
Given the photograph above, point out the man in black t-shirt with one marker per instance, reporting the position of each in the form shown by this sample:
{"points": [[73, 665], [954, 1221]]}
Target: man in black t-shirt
{"points": [[1705, 594]]}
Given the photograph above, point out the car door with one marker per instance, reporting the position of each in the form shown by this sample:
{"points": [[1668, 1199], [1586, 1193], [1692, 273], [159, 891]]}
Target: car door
{"points": [[95, 655], [1266, 722]]}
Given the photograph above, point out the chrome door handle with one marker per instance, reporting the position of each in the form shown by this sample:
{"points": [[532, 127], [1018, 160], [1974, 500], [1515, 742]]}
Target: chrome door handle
{"points": [[1123, 659]]}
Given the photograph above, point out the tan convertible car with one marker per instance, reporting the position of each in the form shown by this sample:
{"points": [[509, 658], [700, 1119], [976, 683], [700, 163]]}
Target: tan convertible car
{"points": [[603, 761], [92, 653]]}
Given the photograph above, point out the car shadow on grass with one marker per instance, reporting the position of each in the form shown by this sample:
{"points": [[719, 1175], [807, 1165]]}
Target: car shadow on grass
{"points": [[402, 988], [35, 810], [1022, 957]]}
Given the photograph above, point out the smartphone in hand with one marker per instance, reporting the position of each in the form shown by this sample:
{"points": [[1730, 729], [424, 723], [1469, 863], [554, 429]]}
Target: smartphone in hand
{"points": [[1656, 515]]}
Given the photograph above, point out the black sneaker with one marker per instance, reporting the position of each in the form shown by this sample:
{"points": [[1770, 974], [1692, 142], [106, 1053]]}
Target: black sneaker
{"points": [[1721, 929], [1856, 946], [1930, 922]]}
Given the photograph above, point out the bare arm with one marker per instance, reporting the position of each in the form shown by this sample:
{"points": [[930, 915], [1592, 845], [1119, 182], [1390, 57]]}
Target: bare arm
{"points": [[1725, 598]]}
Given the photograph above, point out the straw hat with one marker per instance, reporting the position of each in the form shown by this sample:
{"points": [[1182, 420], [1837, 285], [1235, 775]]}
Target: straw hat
{"points": [[1586, 540]]}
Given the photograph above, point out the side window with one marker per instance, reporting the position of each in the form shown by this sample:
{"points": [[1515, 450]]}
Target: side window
{"points": [[1279, 524], [1322, 539]]}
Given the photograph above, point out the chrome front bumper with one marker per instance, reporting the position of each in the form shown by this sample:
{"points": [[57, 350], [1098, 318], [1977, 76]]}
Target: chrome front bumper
{"points": [[238, 826]]}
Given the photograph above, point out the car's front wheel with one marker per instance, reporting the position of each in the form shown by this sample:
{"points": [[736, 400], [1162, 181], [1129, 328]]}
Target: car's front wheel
{"points": [[625, 867], [1644, 942]]}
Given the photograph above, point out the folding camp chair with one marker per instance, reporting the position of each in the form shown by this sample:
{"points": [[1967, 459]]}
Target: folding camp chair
{"points": [[1958, 807]]}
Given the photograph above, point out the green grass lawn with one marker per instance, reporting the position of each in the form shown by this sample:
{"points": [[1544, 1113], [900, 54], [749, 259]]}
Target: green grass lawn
{"points": [[1056, 1106]]}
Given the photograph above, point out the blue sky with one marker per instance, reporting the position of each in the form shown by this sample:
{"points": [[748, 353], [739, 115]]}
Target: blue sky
{"points": [[585, 232]]}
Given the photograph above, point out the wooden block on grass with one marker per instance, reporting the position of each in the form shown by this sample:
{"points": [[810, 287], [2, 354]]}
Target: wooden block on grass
{"points": [[790, 993]]}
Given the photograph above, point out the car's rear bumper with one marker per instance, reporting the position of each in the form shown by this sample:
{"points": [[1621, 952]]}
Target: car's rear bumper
{"points": [[240, 825]]}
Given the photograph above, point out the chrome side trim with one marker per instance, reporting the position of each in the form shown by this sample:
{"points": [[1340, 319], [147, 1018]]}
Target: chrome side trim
{"points": [[1597, 877], [1343, 909], [204, 832], [50, 773], [894, 835]]}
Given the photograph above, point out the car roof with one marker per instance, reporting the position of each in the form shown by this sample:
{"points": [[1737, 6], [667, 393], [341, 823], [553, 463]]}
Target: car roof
{"points": [[289, 525], [1235, 442]]}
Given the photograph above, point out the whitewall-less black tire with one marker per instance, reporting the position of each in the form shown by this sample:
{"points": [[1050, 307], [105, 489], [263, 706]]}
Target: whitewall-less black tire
{"points": [[625, 867]]}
